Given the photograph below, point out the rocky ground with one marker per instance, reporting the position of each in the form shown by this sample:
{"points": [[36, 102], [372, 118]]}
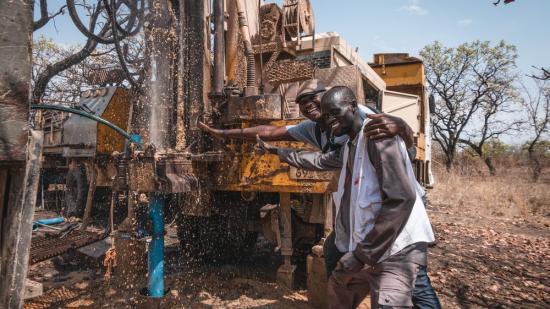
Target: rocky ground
{"points": [[483, 259], [490, 263]]}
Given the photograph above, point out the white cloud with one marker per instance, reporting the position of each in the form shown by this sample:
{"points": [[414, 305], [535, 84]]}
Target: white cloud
{"points": [[465, 22], [414, 8]]}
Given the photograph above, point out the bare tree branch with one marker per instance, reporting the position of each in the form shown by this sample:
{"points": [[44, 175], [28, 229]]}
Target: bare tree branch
{"points": [[45, 76], [544, 74], [45, 17], [537, 110]]}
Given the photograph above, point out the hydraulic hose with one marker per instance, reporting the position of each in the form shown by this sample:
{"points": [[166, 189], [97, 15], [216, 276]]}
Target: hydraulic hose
{"points": [[86, 115], [250, 61]]}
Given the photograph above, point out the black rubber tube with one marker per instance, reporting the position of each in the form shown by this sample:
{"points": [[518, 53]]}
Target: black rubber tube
{"points": [[83, 114]]}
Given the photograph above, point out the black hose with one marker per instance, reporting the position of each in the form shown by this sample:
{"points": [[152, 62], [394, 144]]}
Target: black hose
{"points": [[80, 26], [116, 39], [83, 114]]}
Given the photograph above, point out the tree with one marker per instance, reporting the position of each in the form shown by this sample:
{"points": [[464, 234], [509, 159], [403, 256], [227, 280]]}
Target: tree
{"points": [[491, 121], [109, 22], [471, 82], [65, 87], [537, 109]]}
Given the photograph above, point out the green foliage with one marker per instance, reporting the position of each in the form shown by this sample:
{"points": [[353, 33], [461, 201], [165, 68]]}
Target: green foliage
{"points": [[496, 148], [541, 148]]}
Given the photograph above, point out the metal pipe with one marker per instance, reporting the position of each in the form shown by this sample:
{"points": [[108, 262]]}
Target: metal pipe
{"points": [[219, 47], [49, 221], [156, 247], [83, 114], [251, 88], [231, 42]]}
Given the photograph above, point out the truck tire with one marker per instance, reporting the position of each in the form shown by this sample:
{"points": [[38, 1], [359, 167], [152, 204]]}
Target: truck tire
{"points": [[76, 191]]}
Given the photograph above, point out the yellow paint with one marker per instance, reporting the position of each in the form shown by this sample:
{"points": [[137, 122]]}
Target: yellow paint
{"points": [[265, 172], [117, 112], [401, 74]]}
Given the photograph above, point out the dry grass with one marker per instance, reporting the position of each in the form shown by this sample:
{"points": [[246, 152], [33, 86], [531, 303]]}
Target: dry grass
{"points": [[492, 236], [509, 194]]}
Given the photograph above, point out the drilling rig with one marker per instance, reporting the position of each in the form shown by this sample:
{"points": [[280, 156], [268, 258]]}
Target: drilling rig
{"points": [[230, 64]]}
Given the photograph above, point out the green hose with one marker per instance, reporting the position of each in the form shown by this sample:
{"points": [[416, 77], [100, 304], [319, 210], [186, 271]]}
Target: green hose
{"points": [[83, 114]]}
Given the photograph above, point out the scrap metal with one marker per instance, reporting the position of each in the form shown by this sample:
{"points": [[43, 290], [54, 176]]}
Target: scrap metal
{"points": [[45, 248]]}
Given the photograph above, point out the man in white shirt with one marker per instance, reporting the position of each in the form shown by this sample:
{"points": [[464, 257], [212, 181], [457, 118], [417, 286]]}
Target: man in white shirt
{"points": [[382, 229]]}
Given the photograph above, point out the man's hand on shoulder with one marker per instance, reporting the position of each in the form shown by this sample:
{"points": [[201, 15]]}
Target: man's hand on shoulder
{"points": [[387, 126]]}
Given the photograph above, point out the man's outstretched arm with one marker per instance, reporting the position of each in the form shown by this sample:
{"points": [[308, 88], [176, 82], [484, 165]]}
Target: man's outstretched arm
{"points": [[311, 160], [266, 132], [308, 160]]}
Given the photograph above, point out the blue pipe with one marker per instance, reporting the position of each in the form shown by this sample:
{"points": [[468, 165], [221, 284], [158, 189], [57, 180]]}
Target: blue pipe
{"points": [[49, 221], [156, 247]]}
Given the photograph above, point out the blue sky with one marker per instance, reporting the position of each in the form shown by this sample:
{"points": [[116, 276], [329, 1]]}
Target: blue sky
{"points": [[409, 25]]}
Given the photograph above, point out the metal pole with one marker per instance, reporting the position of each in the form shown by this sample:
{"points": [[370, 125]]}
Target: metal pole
{"points": [[219, 47], [231, 42]]}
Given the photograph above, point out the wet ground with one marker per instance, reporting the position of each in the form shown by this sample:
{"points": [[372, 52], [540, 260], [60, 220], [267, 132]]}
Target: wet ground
{"points": [[478, 262], [75, 281]]}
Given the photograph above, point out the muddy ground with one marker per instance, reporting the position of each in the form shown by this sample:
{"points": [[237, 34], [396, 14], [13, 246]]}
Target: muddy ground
{"points": [[479, 261]]}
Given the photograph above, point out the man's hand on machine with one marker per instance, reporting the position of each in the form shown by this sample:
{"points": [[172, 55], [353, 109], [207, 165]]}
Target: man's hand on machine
{"points": [[387, 126], [217, 133], [264, 147]]}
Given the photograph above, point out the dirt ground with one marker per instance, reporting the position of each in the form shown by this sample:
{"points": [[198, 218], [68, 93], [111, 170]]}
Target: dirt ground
{"points": [[482, 259]]}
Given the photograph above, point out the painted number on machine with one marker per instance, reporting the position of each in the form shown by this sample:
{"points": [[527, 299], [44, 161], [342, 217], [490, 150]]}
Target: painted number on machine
{"points": [[300, 174]]}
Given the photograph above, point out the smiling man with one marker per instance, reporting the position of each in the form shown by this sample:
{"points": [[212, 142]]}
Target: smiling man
{"points": [[382, 228]]}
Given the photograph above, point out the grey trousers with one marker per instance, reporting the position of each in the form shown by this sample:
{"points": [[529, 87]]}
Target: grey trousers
{"points": [[390, 284]]}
